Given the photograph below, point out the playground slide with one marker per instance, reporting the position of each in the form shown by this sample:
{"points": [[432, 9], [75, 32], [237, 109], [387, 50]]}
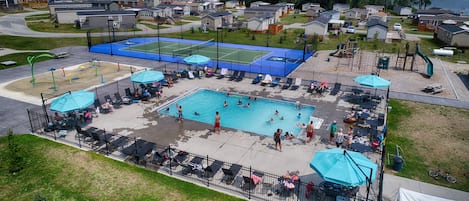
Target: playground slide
{"points": [[427, 60]]}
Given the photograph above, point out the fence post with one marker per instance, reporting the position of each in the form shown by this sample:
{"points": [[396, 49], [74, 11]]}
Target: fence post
{"points": [[170, 160], [30, 122], [206, 174], [249, 185], [298, 190]]}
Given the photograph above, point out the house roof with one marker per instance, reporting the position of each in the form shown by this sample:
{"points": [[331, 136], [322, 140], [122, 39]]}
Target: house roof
{"points": [[445, 17], [434, 11], [451, 28], [79, 9], [263, 8], [376, 22], [316, 8], [106, 13], [321, 20], [260, 18], [329, 13], [219, 14], [163, 6]]}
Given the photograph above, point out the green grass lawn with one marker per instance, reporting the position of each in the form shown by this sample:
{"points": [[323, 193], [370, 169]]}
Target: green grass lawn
{"points": [[29, 43], [430, 136], [53, 171], [45, 16], [20, 58], [294, 18], [153, 26], [192, 18]]}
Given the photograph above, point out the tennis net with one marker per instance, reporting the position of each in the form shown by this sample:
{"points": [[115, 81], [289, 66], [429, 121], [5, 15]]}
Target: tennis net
{"points": [[193, 48]]}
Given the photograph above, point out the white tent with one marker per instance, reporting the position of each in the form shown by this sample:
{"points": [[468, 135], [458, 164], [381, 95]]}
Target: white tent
{"points": [[408, 195]]}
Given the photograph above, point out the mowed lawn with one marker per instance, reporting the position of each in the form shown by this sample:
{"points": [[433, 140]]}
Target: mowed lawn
{"points": [[430, 136], [53, 171]]}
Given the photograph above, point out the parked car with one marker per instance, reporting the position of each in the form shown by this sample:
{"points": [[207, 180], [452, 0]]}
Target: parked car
{"points": [[350, 29], [397, 27]]}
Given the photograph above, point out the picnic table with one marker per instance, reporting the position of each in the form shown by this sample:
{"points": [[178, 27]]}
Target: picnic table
{"points": [[8, 63]]}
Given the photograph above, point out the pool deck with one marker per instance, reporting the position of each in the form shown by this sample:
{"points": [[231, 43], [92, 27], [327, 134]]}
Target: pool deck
{"points": [[247, 149]]}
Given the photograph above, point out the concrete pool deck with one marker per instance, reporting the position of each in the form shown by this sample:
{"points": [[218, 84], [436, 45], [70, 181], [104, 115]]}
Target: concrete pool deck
{"points": [[247, 149]]}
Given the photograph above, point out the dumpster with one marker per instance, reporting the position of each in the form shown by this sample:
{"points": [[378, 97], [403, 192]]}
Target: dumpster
{"points": [[398, 163]]}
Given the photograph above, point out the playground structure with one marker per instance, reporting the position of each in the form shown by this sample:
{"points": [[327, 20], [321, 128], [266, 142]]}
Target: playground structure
{"points": [[402, 59], [72, 78], [346, 50]]}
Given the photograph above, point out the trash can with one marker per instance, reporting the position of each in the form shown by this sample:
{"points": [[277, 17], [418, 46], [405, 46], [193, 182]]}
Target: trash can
{"points": [[398, 162]]}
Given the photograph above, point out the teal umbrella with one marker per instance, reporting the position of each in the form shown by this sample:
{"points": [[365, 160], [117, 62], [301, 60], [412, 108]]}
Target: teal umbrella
{"points": [[372, 81], [196, 59], [344, 167], [147, 76], [70, 101]]}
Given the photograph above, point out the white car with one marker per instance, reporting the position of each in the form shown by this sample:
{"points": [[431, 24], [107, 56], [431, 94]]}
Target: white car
{"points": [[397, 27], [350, 29]]}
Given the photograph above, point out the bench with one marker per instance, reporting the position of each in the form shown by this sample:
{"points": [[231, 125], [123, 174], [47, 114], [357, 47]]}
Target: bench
{"points": [[8, 63], [62, 55]]}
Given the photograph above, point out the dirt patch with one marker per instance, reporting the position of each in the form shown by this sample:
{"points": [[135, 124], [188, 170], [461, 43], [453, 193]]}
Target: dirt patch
{"points": [[72, 78]]}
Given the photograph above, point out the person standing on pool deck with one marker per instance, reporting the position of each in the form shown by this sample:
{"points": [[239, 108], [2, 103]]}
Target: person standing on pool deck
{"points": [[180, 114], [216, 127], [332, 131], [277, 136], [309, 132]]}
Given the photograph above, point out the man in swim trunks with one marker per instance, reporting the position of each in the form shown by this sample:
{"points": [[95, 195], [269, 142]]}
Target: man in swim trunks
{"points": [[309, 132], [216, 127]]}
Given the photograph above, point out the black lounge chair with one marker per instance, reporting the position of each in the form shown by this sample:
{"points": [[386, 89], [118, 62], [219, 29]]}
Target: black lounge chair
{"points": [[230, 174], [121, 100], [288, 83], [97, 104], [275, 82], [234, 75], [241, 76], [248, 182], [128, 93], [83, 134], [211, 170], [257, 79], [336, 89], [296, 85], [114, 104], [223, 73]]}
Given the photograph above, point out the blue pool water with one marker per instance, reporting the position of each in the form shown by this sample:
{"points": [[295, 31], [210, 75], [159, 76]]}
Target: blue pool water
{"points": [[251, 119]]}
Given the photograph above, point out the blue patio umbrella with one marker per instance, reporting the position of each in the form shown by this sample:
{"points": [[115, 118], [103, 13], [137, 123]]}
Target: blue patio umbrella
{"points": [[70, 101], [372, 81], [344, 167], [196, 59], [147, 76]]}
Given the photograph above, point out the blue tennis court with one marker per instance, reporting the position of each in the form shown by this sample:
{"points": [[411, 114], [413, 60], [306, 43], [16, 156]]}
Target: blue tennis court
{"points": [[254, 59], [258, 117]]}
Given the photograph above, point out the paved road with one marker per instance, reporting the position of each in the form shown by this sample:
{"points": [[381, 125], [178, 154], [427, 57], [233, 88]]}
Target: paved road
{"points": [[15, 25]]}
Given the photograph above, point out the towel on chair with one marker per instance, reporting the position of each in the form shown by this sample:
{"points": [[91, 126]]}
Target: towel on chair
{"points": [[256, 179]]}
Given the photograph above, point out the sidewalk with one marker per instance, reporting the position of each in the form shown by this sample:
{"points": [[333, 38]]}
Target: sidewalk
{"points": [[393, 183]]}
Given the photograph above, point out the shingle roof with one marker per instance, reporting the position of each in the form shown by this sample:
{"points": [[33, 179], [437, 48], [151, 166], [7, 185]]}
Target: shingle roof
{"points": [[219, 14], [321, 19], [374, 22], [106, 13], [451, 28]]}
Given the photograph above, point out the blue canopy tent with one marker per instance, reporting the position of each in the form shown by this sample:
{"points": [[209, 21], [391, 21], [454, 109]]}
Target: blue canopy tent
{"points": [[344, 167], [71, 101]]}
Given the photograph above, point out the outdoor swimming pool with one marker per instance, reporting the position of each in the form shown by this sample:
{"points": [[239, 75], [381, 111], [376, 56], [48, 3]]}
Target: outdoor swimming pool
{"points": [[254, 118]]}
